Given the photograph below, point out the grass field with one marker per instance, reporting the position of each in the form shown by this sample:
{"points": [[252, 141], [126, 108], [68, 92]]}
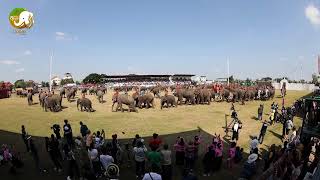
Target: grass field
{"points": [[169, 123], [15, 112]]}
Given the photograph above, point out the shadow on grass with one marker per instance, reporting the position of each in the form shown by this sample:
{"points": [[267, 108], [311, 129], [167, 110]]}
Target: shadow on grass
{"points": [[276, 134], [29, 171]]}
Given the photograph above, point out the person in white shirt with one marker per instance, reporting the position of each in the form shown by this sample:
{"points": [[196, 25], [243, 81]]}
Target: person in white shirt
{"points": [[94, 159], [254, 145], [293, 135], [166, 162], [153, 175], [140, 156], [106, 159]]}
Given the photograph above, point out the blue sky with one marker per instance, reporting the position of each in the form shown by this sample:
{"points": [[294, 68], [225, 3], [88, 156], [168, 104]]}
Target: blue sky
{"points": [[260, 38]]}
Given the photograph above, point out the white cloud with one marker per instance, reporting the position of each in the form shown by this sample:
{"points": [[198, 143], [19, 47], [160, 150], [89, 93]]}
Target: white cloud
{"points": [[19, 70], [65, 36], [27, 52], [9, 62], [60, 33], [313, 14]]}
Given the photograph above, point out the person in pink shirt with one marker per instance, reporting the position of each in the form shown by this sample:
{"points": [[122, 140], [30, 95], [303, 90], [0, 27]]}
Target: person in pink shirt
{"points": [[180, 147], [231, 155], [219, 155]]}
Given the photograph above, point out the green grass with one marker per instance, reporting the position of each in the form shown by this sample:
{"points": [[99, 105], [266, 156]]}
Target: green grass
{"points": [[15, 112]]}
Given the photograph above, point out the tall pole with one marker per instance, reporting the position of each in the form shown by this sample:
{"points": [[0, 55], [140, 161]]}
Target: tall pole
{"points": [[228, 71], [301, 70], [50, 76]]}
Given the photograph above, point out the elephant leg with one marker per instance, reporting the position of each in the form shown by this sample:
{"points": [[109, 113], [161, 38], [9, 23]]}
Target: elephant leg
{"points": [[121, 108]]}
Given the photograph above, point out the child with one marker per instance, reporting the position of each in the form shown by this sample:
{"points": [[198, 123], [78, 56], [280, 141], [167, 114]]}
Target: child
{"points": [[231, 155]]}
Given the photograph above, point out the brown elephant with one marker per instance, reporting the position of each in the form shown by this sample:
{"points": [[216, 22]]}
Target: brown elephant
{"points": [[188, 94], [42, 96], [85, 103], [71, 94], [156, 91], [53, 102], [63, 92], [100, 94], [169, 100], [147, 100], [202, 96], [121, 99], [29, 97]]}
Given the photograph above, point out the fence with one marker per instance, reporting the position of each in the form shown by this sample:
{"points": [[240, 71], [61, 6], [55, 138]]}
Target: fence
{"points": [[296, 86]]}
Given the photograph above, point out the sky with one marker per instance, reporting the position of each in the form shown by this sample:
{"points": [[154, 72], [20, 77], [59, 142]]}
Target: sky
{"points": [[259, 38]]}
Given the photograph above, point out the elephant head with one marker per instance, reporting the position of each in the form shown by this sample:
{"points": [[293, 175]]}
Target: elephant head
{"points": [[25, 20]]}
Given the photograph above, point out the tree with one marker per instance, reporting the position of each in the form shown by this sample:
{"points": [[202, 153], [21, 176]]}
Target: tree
{"points": [[93, 78], [266, 79], [44, 84], [20, 84], [30, 83], [66, 81], [78, 83]]}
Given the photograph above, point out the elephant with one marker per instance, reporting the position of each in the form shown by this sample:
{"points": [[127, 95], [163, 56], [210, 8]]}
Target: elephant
{"points": [[71, 94], [85, 103], [42, 97], [100, 96], [121, 99], [29, 97], [92, 90], [168, 100], [147, 100], [63, 92], [156, 91], [225, 93], [25, 20], [202, 96], [53, 102], [188, 94]]}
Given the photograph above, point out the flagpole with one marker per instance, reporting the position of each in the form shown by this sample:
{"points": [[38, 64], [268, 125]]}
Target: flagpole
{"points": [[228, 71], [50, 76]]}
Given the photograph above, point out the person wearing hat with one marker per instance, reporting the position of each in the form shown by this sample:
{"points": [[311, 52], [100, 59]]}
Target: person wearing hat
{"points": [[254, 145], [249, 167]]}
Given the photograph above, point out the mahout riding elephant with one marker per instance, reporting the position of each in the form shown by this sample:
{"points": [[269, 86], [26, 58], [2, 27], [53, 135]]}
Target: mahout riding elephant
{"points": [[53, 102], [169, 100], [121, 99], [147, 100], [29, 97], [188, 94], [100, 94], [85, 103]]}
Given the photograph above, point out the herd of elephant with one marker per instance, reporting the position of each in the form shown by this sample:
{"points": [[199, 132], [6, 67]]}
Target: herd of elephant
{"points": [[53, 102], [145, 97]]}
